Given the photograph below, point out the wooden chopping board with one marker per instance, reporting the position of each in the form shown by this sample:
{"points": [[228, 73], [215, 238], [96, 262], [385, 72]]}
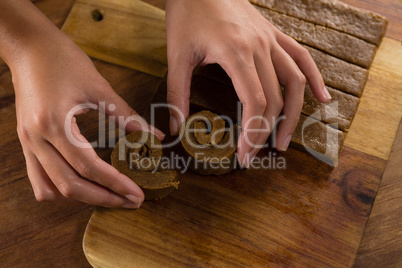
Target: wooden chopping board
{"points": [[305, 215]]}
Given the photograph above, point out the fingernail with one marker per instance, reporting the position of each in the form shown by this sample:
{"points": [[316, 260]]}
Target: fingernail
{"points": [[326, 94], [174, 126], [134, 199], [131, 205], [285, 143]]}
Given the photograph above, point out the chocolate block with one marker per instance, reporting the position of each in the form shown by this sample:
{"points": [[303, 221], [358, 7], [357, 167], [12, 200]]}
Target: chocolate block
{"points": [[333, 42], [361, 23]]}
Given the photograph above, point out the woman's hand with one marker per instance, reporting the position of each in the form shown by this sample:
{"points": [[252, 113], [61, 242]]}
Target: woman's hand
{"points": [[257, 57], [51, 76]]}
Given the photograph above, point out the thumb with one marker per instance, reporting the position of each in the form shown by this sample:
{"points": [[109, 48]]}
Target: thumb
{"points": [[124, 116], [178, 90]]}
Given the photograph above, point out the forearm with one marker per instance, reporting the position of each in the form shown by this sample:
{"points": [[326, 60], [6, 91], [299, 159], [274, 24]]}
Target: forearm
{"points": [[23, 30]]}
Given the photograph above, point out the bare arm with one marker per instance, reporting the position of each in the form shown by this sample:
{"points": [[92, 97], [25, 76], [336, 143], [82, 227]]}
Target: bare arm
{"points": [[51, 75]]}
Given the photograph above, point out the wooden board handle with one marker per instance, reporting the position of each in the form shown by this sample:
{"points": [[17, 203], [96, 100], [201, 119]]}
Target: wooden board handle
{"points": [[125, 32]]}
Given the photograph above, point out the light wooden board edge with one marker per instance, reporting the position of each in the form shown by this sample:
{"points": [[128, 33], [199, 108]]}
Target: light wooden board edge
{"points": [[377, 119]]}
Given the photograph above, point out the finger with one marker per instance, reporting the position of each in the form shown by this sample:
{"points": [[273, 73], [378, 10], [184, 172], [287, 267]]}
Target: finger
{"points": [[125, 117], [294, 82], [72, 186], [178, 88], [249, 90], [303, 59], [43, 187], [77, 151], [268, 77]]}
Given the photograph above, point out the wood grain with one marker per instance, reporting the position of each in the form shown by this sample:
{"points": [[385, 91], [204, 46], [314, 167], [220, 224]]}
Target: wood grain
{"points": [[96, 26], [253, 218], [256, 217], [382, 240], [376, 122], [165, 235]]}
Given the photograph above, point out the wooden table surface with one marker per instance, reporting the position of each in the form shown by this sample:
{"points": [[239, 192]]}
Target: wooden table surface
{"points": [[49, 235]]}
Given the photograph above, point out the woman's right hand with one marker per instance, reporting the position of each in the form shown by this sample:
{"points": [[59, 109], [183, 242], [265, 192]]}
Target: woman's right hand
{"points": [[51, 76], [256, 56]]}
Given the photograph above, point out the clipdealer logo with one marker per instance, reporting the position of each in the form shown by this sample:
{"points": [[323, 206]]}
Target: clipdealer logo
{"points": [[108, 136]]}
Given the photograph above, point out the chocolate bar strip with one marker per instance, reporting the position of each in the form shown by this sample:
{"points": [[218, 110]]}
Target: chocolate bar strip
{"points": [[361, 23], [319, 139], [311, 135], [340, 74], [333, 42], [339, 112]]}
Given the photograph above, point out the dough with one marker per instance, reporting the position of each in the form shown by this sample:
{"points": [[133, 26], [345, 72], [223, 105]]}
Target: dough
{"points": [[137, 156], [333, 42], [339, 112], [340, 74], [361, 23], [210, 142]]}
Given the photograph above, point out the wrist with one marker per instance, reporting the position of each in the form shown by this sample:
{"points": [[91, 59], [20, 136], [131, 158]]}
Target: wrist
{"points": [[24, 32]]}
